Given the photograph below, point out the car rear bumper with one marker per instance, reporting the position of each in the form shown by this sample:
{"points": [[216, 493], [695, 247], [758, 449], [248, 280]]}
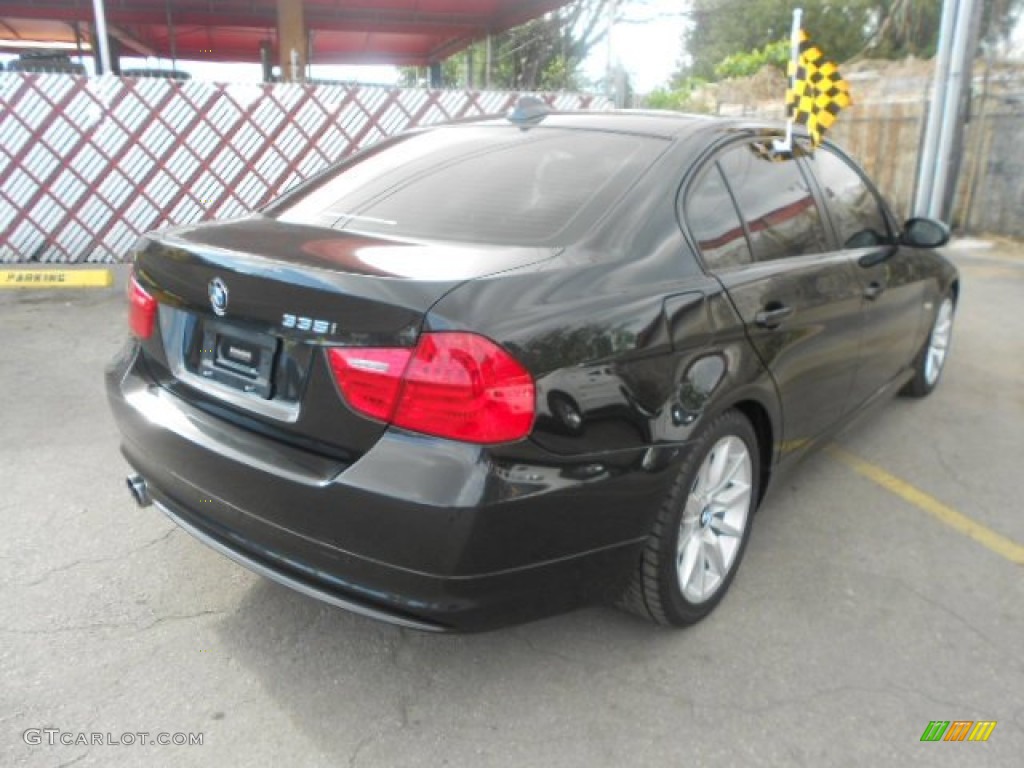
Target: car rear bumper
{"points": [[290, 573], [424, 533]]}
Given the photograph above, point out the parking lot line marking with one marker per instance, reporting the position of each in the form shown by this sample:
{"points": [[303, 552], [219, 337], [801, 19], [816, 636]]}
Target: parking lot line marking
{"points": [[56, 278], [986, 254], [985, 536], [990, 272]]}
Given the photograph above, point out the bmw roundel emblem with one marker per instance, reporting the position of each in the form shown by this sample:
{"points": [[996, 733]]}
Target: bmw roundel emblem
{"points": [[218, 292]]}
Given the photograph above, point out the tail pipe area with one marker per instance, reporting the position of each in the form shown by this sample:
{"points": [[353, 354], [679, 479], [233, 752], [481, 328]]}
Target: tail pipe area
{"points": [[139, 490]]}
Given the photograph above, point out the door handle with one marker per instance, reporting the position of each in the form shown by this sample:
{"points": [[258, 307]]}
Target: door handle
{"points": [[874, 290], [772, 315], [877, 257]]}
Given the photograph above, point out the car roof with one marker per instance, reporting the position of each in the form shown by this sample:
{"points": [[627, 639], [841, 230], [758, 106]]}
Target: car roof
{"points": [[659, 123]]}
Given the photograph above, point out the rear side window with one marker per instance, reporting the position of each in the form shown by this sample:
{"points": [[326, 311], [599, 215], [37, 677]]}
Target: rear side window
{"points": [[490, 184], [855, 209], [715, 225], [776, 203]]}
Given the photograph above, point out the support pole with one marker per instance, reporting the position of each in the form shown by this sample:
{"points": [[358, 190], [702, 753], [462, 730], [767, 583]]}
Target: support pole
{"points": [[102, 40], [951, 108], [291, 40], [309, 55], [963, 58], [266, 61], [171, 35], [490, 61], [78, 40], [925, 191]]}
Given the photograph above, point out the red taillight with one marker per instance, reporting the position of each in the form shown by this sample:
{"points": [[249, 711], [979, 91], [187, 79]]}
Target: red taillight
{"points": [[455, 385], [465, 387], [370, 378], [141, 310]]}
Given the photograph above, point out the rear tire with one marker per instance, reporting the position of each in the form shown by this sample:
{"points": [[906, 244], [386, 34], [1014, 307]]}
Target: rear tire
{"points": [[701, 531], [931, 359]]}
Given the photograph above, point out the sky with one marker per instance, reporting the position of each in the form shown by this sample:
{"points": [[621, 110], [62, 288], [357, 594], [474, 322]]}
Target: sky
{"points": [[648, 42]]}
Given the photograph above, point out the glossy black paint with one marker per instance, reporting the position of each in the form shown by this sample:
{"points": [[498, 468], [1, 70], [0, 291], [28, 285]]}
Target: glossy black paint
{"points": [[633, 344]]}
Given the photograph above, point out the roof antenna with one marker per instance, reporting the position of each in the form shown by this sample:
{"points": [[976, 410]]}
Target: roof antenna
{"points": [[529, 109]]}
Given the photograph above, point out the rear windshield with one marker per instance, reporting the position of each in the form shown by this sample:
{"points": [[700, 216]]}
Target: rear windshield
{"points": [[483, 184]]}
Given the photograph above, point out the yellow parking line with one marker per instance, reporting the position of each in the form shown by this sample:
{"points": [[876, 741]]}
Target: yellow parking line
{"points": [[56, 278], [985, 536], [990, 272]]}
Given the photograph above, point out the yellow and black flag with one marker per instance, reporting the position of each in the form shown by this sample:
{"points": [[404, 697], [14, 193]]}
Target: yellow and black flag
{"points": [[816, 89]]}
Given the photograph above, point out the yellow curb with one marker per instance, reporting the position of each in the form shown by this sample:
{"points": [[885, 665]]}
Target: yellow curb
{"points": [[56, 278]]}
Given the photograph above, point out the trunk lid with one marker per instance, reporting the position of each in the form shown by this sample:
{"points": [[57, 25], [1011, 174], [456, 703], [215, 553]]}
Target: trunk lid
{"points": [[247, 307]]}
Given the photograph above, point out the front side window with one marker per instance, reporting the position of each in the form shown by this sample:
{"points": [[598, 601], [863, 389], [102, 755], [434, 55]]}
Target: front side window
{"points": [[856, 210], [776, 203], [484, 184], [715, 225]]}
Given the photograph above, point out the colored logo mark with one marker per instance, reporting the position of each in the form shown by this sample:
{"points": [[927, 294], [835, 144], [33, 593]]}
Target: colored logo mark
{"points": [[958, 730], [218, 292]]}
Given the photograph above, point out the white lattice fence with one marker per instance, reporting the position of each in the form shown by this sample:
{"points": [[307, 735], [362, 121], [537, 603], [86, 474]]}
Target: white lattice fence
{"points": [[86, 165]]}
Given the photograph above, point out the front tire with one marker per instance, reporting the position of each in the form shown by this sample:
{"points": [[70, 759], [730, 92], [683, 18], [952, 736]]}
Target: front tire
{"points": [[701, 531], [931, 359]]}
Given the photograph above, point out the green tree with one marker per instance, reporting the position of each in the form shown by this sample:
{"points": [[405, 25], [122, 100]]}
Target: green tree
{"points": [[724, 28], [776, 54], [876, 28], [912, 26], [542, 54], [684, 96], [545, 53], [905, 29]]}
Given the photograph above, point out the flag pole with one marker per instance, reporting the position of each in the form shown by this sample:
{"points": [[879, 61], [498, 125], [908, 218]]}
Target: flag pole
{"points": [[794, 57]]}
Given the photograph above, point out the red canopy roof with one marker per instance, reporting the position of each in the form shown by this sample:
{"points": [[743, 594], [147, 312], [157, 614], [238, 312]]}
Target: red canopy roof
{"points": [[401, 32]]}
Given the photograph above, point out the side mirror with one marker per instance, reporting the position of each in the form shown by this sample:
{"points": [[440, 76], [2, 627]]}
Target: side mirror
{"points": [[920, 232]]}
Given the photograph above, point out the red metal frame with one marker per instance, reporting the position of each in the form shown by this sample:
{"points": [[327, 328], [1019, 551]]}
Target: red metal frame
{"points": [[407, 32]]}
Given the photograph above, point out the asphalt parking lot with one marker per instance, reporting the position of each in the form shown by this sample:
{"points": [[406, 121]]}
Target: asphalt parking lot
{"points": [[879, 592]]}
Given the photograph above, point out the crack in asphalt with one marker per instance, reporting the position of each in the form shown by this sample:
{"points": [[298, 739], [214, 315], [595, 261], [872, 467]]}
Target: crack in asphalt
{"points": [[402, 640], [943, 608], [116, 624], [951, 470], [74, 760], [901, 693], [774, 705], [93, 561], [101, 706], [646, 685], [651, 686], [946, 703], [950, 612], [364, 742], [370, 739]]}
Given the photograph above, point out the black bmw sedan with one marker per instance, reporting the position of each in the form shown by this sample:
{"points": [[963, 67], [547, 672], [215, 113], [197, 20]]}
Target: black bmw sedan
{"points": [[491, 371]]}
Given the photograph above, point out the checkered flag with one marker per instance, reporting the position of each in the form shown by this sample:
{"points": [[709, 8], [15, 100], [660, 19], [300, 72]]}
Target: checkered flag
{"points": [[816, 90]]}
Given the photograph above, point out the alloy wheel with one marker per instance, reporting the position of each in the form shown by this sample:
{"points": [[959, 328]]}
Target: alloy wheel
{"points": [[714, 519], [938, 342]]}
